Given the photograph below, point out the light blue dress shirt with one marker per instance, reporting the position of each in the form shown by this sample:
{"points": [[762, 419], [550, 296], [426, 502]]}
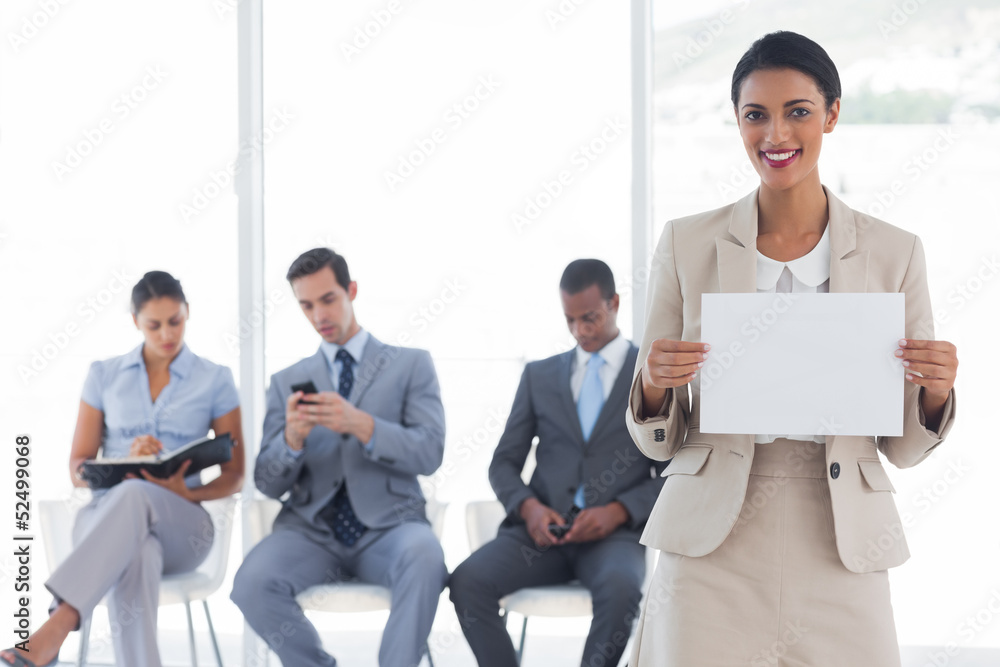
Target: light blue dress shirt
{"points": [[198, 392]]}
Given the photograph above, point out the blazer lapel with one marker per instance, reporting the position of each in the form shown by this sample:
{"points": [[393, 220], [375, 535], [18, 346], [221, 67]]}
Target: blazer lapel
{"points": [[848, 265], [566, 393], [319, 371], [373, 360], [611, 410], [737, 252]]}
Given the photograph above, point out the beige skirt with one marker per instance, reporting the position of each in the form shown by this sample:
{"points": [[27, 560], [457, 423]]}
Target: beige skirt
{"points": [[775, 593]]}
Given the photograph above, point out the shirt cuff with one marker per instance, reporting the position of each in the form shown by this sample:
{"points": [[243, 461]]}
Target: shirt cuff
{"points": [[370, 445], [294, 453]]}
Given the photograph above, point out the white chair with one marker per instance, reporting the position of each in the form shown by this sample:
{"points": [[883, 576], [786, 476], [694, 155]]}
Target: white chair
{"points": [[569, 600], [343, 597], [57, 518]]}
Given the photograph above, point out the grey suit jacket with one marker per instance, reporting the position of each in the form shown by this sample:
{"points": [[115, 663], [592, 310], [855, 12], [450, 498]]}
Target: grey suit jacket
{"points": [[609, 464], [399, 388]]}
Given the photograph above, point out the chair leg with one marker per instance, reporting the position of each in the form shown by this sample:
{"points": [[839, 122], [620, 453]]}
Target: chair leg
{"points": [[211, 633], [81, 658], [194, 653], [524, 633]]}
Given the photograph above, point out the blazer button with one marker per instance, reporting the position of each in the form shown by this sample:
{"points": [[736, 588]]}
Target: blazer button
{"points": [[835, 470]]}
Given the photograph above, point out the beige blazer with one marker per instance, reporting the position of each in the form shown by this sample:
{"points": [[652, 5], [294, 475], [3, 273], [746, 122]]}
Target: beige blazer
{"points": [[707, 478]]}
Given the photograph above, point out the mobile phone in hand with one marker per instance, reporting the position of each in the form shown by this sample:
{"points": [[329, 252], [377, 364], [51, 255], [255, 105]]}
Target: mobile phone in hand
{"points": [[559, 531], [306, 387]]}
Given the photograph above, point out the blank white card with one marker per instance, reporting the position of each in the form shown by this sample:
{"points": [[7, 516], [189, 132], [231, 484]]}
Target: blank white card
{"points": [[802, 364]]}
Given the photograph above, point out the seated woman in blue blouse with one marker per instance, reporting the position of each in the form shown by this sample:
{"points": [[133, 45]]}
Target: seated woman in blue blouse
{"points": [[155, 398]]}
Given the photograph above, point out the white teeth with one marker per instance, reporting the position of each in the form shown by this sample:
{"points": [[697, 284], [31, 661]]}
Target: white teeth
{"points": [[778, 157]]}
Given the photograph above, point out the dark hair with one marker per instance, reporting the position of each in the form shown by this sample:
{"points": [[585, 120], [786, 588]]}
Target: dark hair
{"points": [[784, 49], [153, 285], [314, 260], [582, 273]]}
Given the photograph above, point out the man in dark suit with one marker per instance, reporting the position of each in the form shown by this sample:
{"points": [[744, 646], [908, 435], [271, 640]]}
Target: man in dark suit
{"points": [[574, 404], [348, 457]]}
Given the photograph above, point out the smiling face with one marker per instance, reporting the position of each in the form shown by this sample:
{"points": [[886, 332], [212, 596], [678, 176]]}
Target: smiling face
{"points": [[162, 322], [782, 118], [328, 306]]}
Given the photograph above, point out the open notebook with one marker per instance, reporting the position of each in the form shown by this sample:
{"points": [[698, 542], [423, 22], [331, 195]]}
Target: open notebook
{"points": [[203, 453]]}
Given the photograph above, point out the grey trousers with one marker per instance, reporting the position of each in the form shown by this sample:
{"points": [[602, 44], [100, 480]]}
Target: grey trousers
{"points": [[124, 541], [406, 558], [612, 570]]}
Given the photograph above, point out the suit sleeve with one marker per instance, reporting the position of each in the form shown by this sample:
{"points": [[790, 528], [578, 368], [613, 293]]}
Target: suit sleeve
{"points": [[659, 436], [513, 448], [917, 442], [639, 499], [415, 444], [277, 467]]}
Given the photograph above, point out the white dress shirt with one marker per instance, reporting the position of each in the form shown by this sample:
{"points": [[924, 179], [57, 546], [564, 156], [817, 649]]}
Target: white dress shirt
{"points": [[613, 353], [809, 273]]}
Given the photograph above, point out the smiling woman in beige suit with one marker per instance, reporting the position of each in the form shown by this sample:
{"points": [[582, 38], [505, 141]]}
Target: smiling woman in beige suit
{"points": [[775, 548]]}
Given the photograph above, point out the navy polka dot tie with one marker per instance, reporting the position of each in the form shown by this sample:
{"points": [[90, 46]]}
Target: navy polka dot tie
{"points": [[347, 528]]}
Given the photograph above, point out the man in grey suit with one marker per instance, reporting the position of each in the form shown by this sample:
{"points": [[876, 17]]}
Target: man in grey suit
{"points": [[574, 404], [347, 457]]}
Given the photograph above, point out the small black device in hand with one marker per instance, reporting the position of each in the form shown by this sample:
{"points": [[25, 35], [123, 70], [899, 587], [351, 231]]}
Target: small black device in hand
{"points": [[559, 531], [306, 387]]}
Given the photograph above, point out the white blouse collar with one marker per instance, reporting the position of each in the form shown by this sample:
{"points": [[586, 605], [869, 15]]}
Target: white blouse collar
{"points": [[812, 269]]}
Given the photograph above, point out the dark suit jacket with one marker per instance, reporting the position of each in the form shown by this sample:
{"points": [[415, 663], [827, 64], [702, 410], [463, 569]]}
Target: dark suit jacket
{"points": [[399, 388], [609, 464]]}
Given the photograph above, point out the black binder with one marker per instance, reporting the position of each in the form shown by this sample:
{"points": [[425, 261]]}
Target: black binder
{"points": [[203, 453]]}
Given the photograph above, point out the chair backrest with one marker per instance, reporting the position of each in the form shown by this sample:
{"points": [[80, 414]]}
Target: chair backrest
{"points": [[263, 512], [224, 515], [482, 519], [56, 517]]}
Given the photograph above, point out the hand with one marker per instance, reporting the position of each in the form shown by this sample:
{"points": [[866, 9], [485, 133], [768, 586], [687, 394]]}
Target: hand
{"points": [[936, 361], [173, 483], [669, 364], [297, 426], [537, 517], [145, 445], [596, 523], [337, 414]]}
